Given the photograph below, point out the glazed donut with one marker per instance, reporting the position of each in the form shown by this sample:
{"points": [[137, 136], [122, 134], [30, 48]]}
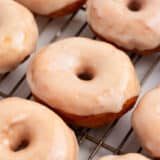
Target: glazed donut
{"points": [[18, 32], [130, 156], [89, 83], [146, 120], [53, 8], [129, 24], [30, 131]]}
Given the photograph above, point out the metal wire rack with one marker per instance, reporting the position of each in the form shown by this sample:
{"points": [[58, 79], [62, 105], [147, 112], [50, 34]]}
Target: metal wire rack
{"points": [[115, 138]]}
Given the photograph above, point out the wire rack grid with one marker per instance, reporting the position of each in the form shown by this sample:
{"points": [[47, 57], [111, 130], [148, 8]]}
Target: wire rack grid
{"points": [[115, 138]]}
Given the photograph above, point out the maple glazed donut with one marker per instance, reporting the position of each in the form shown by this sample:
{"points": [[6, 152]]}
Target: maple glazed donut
{"points": [[18, 32], [89, 83], [29, 130], [53, 8], [146, 120], [129, 156], [129, 24]]}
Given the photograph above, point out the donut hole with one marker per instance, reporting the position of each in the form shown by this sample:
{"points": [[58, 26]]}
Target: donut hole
{"points": [[21, 145], [19, 138], [85, 74], [134, 5]]}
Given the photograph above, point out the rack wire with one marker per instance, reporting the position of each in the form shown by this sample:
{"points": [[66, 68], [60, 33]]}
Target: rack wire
{"points": [[115, 138]]}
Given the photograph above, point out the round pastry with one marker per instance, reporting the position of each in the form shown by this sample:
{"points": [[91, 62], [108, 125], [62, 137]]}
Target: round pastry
{"points": [[18, 32], [30, 131], [130, 156], [129, 24], [89, 83], [53, 8], [146, 120]]}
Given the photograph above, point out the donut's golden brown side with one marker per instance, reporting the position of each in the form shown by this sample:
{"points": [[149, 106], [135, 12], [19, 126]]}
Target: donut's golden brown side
{"points": [[92, 121], [68, 9], [29, 130]]}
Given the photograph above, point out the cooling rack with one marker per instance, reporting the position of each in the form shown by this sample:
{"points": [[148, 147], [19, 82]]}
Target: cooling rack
{"points": [[115, 138]]}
